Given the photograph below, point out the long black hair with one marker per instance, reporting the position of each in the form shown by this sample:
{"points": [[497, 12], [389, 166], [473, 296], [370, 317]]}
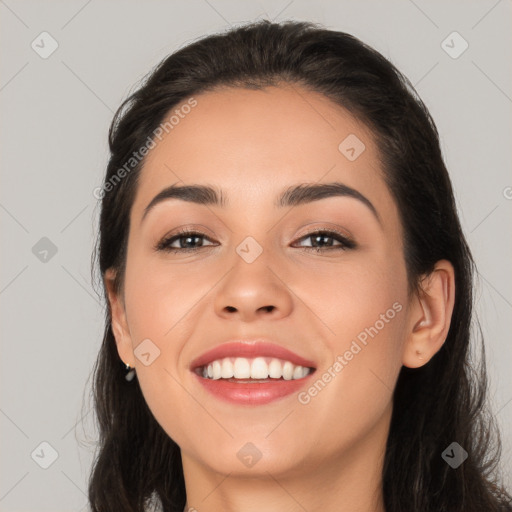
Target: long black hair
{"points": [[138, 465]]}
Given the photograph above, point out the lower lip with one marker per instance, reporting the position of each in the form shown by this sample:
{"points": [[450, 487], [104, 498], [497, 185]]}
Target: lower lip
{"points": [[254, 393]]}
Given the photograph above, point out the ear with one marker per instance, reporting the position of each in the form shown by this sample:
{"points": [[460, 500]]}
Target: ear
{"points": [[118, 318], [430, 315]]}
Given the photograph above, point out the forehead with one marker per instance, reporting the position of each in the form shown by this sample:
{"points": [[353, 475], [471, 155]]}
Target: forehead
{"points": [[255, 143]]}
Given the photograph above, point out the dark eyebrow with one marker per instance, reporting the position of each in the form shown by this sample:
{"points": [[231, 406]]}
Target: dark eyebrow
{"points": [[199, 194], [306, 193], [292, 196]]}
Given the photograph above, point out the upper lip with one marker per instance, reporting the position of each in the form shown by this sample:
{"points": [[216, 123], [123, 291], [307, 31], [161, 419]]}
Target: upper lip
{"points": [[250, 348]]}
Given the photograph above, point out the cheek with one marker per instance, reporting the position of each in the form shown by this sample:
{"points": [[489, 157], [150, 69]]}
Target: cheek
{"points": [[159, 297], [362, 293], [160, 305], [362, 308], [353, 391]]}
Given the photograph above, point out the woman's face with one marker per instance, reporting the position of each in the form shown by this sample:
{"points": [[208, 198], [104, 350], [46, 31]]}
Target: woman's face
{"points": [[254, 273]]}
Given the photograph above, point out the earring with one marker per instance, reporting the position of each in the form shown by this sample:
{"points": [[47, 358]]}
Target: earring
{"points": [[130, 373]]}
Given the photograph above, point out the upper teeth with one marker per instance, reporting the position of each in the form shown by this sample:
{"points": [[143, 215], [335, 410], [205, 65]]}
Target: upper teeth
{"points": [[257, 368]]}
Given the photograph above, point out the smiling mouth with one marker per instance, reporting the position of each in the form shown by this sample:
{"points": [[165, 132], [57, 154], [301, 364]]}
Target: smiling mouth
{"points": [[243, 370]]}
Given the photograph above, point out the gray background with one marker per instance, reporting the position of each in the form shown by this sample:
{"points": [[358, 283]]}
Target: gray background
{"points": [[55, 116]]}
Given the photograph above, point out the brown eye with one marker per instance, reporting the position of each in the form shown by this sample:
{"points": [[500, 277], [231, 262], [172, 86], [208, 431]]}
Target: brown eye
{"points": [[187, 241], [323, 241]]}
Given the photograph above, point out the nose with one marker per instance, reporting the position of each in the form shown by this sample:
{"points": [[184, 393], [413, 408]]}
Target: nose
{"points": [[253, 291]]}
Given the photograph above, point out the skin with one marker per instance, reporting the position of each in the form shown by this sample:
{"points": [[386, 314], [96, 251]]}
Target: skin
{"points": [[324, 455]]}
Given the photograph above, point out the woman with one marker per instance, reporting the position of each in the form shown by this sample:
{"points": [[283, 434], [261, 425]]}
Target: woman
{"points": [[289, 290]]}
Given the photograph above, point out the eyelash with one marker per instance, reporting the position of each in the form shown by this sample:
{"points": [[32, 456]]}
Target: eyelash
{"points": [[346, 243]]}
